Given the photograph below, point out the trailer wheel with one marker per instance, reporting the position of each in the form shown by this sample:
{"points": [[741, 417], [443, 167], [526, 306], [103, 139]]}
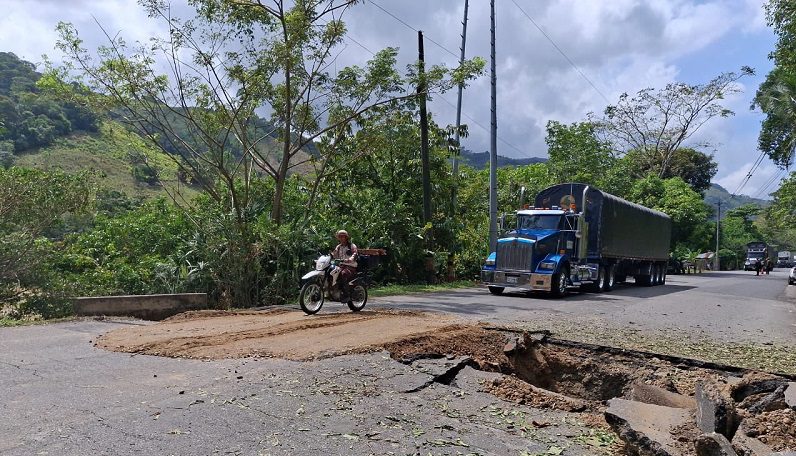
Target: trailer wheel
{"points": [[608, 278], [497, 291], [658, 278]]}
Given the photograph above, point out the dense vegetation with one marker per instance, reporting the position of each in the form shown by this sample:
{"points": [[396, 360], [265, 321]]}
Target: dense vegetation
{"points": [[29, 118], [266, 195]]}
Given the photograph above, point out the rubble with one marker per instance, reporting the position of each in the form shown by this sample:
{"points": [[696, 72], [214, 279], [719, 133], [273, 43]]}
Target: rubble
{"points": [[713, 444], [647, 428], [651, 394], [749, 446], [790, 395], [715, 410], [770, 402]]}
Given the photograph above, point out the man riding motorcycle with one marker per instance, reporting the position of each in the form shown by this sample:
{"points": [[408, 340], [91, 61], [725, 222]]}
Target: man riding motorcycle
{"points": [[346, 253]]}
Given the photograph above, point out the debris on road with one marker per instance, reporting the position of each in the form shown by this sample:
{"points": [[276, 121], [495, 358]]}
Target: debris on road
{"points": [[655, 405]]}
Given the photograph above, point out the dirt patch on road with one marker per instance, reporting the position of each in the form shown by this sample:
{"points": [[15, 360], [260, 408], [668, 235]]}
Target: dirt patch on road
{"points": [[281, 333]]}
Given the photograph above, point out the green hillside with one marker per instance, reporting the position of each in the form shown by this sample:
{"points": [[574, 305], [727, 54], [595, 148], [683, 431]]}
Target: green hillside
{"points": [[480, 160], [718, 193], [120, 160]]}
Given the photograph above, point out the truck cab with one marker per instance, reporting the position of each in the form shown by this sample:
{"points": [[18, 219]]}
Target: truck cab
{"points": [[536, 254]]}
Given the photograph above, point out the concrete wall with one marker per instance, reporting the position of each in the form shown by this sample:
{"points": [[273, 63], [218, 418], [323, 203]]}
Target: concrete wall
{"points": [[147, 307]]}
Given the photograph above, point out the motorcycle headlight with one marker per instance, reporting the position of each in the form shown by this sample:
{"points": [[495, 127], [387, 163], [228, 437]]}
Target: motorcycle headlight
{"points": [[548, 266]]}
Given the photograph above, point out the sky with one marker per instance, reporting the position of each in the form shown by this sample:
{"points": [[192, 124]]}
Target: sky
{"points": [[556, 59]]}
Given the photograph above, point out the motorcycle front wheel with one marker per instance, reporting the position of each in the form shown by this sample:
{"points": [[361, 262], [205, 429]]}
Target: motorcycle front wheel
{"points": [[359, 297], [311, 297]]}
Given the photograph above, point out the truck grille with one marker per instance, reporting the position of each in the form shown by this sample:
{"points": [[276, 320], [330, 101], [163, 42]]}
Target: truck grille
{"points": [[514, 255]]}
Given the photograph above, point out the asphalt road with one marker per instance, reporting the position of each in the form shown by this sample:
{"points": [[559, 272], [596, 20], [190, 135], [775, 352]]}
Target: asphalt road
{"points": [[60, 395], [730, 306]]}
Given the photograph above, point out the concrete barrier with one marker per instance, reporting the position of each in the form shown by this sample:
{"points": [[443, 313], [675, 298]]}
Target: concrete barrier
{"points": [[147, 307]]}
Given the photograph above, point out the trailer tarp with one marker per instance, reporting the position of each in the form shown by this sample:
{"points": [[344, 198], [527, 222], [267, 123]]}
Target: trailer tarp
{"points": [[616, 228]]}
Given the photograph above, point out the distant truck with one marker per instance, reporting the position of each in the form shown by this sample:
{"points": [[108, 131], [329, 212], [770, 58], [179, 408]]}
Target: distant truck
{"points": [[784, 259], [757, 250], [576, 236]]}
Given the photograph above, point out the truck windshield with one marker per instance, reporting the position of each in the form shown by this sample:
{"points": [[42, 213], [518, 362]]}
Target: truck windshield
{"points": [[538, 222], [755, 255]]}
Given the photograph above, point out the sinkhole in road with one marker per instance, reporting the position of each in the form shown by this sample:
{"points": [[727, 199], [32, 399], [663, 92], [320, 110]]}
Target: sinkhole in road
{"points": [[533, 365]]}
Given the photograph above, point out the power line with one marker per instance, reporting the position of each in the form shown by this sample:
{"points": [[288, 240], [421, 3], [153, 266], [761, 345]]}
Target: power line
{"points": [[751, 172], [480, 125], [413, 29], [775, 178], [525, 154], [560, 51]]}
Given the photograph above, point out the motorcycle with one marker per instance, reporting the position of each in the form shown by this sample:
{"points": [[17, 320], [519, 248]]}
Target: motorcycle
{"points": [[318, 285]]}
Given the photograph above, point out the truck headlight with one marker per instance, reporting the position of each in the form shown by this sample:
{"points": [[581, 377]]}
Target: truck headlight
{"points": [[547, 265], [489, 262]]}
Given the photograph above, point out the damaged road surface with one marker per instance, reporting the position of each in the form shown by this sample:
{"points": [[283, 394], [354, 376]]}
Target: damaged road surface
{"points": [[366, 383]]}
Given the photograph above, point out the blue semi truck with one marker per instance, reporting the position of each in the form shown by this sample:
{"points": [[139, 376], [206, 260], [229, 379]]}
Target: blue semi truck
{"points": [[576, 236]]}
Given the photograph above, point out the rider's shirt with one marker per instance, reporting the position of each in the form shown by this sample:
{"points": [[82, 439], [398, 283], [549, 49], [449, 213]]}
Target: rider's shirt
{"points": [[345, 252]]}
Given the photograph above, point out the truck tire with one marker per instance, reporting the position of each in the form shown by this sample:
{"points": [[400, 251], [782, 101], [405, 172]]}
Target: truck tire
{"points": [[608, 278], [497, 291], [559, 285], [644, 280], [658, 274], [597, 285]]}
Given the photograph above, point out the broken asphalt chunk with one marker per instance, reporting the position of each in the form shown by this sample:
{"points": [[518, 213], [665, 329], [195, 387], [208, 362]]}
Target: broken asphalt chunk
{"points": [[715, 411], [790, 395], [713, 444], [646, 428]]}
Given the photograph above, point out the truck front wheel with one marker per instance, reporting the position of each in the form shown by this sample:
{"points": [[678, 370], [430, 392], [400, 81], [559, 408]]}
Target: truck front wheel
{"points": [[497, 291], [559, 285]]}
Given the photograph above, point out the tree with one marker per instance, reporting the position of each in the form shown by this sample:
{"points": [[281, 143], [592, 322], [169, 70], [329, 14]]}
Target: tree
{"points": [[680, 202], [694, 167], [31, 202], [234, 58], [779, 218], [658, 122], [576, 154], [738, 228], [776, 97]]}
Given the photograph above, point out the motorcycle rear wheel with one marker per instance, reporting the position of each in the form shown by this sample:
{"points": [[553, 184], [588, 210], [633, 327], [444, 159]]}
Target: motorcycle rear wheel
{"points": [[358, 298], [311, 297]]}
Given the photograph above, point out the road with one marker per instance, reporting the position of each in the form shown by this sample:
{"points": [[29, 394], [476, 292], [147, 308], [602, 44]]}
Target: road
{"points": [[62, 395], [726, 306]]}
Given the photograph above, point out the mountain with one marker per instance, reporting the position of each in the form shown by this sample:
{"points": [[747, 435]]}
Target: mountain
{"points": [[718, 193], [480, 160]]}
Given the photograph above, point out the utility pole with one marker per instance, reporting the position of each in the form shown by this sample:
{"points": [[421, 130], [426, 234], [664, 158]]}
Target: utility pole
{"points": [[493, 230], [459, 113], [421, 91], [716, 256]]}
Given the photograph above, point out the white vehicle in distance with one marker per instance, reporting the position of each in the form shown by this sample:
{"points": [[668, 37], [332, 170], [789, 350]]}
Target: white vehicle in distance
{"points": [[792, 276]]}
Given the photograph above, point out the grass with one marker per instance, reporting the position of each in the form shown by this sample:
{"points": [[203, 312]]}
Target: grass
{"points": [[108, 154], [398, 289]]}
